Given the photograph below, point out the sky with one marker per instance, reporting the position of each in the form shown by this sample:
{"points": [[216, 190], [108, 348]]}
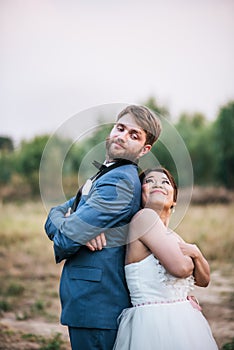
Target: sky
{"points": [[61, 57]]}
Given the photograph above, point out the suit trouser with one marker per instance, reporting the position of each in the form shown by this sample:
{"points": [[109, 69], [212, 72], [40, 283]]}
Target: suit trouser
{"points": [[92, 339]]}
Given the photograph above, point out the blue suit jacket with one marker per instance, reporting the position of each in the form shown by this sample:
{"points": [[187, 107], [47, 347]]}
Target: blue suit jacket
{"points": [[93, 289]]}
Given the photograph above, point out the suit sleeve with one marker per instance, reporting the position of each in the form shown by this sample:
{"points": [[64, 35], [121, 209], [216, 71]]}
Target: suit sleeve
{"points": [[64, 247], [109, 204]]}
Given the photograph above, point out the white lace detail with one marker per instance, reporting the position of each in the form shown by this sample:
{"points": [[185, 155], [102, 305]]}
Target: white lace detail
{"points": [[185, 284]]}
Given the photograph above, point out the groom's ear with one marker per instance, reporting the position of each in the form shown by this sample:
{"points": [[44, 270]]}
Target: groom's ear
{"points": [[145, 150]]}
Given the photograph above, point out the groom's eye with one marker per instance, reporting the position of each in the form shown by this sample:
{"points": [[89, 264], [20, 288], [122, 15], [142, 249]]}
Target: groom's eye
{"points": [[134, 135], [120, 127]]}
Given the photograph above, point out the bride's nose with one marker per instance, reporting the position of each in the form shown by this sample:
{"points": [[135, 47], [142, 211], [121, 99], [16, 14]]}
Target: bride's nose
{"points": [[157, 184]]}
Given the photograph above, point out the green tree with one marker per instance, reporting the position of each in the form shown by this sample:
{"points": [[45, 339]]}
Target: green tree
{"points": [[94, 144], [224, 145], [28, 158], [159, 150], [197, 134], [6, 166], [6, 144], [152, 104]]}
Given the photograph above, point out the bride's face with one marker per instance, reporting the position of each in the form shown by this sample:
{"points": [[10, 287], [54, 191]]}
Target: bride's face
{"points": [[157, 191]]}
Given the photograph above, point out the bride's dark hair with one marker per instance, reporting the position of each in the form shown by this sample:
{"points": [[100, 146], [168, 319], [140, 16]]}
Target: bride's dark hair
{"points": [[144, 173]]}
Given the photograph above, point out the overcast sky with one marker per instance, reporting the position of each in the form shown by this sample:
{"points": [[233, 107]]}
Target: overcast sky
{"points": [[59, 57]]}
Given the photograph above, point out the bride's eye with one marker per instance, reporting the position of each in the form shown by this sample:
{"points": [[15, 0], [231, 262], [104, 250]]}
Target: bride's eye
{"points": [[147, 181], [166, 182]]}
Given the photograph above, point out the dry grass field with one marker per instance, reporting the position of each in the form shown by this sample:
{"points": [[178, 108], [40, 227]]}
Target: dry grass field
{"points": [[29, 278]]}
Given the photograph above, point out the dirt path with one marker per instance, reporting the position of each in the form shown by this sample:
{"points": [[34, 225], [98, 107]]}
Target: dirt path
{"points": [[217, 301]]}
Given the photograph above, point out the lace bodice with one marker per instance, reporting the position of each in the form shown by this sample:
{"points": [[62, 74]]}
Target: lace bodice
{"points": [[149, 282]]}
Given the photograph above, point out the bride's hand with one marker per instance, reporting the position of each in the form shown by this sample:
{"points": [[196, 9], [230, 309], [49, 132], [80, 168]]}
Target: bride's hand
{"points": [[97, 243], [189, 249]]}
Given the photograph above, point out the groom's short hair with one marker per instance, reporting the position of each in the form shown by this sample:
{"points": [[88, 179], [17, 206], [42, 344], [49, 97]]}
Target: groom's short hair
{"points": [[146, 119]]}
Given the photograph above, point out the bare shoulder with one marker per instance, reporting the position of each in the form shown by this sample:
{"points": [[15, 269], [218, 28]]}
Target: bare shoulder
{"points": [[142, 223], [144, 214], [145, 218]]}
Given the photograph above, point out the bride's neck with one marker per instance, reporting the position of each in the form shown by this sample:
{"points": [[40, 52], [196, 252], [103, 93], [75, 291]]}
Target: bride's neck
{"points": [[164, 216], [163, 213]]}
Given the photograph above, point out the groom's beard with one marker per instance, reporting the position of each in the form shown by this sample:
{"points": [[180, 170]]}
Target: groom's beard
{"points": [[120, 152]]}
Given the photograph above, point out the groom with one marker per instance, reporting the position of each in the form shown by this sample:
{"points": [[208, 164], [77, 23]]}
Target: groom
{"points": [[93, 290]]}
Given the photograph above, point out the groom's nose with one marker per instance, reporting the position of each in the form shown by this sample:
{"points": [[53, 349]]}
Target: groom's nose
{"points": [[123, 136]]}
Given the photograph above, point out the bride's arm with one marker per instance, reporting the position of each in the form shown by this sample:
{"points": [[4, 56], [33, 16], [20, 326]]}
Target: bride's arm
{"points": [[201, 270], [148, 228]]}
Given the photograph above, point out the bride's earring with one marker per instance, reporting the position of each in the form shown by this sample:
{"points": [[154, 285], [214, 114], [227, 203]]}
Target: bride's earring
{"points": [[173, 210]]}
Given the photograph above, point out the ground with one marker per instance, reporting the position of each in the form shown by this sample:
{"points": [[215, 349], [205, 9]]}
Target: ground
{"points": [[217, 301]]}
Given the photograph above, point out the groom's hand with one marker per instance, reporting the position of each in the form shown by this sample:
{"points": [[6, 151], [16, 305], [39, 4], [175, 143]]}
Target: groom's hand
{"points": [[97, 243]]}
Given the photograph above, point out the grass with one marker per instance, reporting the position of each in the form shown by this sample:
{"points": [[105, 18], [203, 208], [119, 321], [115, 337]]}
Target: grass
{"points": [[28, 273], [29, 277], [53, 343], [17, 340], [228, 346], [211, 228]]}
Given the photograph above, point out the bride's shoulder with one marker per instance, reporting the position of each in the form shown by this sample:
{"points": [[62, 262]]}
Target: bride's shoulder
{"points": [[144, 220], [144, 213]]}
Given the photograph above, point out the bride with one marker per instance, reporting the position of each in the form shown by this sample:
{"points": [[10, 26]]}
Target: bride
{"points": [[161, 269]]}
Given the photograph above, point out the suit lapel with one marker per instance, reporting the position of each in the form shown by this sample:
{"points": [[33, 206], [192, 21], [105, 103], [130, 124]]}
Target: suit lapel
{"points": [[106, 169]]}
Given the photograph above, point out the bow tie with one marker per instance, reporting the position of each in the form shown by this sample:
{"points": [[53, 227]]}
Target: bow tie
{"points": [[98, 165]]}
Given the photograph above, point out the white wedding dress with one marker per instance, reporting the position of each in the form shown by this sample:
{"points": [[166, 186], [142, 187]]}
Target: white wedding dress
{"points": [[162, 318]]}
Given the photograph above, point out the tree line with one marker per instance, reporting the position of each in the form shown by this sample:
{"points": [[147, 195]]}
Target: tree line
{"points": [[209, 143]]}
